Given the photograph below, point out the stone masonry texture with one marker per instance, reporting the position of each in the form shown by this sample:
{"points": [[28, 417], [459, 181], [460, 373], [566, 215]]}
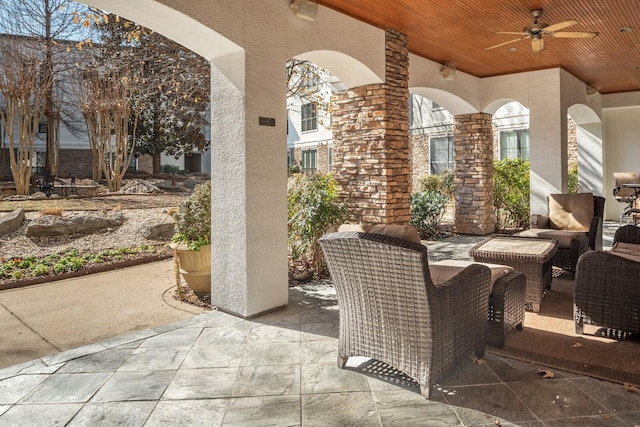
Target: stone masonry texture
{"points": [[371, 142]]}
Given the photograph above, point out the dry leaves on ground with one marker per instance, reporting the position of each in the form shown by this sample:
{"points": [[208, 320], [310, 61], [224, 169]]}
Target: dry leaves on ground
{"points": [[546, 373]]}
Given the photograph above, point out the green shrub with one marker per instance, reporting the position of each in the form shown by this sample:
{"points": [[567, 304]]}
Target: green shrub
{"points": [[442, 183], [573, 178], [293, 169], [193, 218], [39, 270], [511, 193], [68, 264], [427, 209], [313, 209], [173, 169]]}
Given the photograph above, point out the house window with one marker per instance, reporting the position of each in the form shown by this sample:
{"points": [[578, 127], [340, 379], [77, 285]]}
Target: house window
{"points": [[308, 117], [441, 154], [310, 161], [37, 162], [312, 82], [514, 144]]}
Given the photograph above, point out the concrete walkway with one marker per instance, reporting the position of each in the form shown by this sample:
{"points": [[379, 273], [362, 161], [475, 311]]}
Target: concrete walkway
{"points": [[44, 319]]}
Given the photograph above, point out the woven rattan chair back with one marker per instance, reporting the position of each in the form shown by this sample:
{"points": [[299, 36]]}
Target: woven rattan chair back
{"points": [[392, 312]]}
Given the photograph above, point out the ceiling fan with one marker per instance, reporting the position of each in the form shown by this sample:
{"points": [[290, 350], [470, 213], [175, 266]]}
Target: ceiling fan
{"points": [[538, 30]]}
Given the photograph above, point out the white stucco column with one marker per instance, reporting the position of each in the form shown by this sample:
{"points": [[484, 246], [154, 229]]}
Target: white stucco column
{"points": [[249, 272], [548, 138]]}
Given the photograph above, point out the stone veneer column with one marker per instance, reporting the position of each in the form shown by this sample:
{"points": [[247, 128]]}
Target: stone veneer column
{"points": [[473, 154], [371, 142]]}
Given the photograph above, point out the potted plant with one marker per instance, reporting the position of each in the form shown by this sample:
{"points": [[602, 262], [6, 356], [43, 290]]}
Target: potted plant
{"points": [[191, 241]]}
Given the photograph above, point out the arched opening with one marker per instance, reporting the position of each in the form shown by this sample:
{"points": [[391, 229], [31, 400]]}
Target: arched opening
{"points": [[313, 78], [588, 146]]}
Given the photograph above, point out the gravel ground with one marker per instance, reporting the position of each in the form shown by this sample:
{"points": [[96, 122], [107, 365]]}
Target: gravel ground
{"points": [[128, 234]]}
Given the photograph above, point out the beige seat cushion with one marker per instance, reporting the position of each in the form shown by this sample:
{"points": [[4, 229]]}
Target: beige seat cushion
{"points": [[564, 237], [571, 211], [405, 232], [442, 271], [362, 228], [627, 250]]}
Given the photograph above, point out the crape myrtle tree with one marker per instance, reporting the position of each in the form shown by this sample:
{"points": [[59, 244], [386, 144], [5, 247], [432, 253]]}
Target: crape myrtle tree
{"points": [[176, 92], [24, 88], [106, 99], [48, 27]]}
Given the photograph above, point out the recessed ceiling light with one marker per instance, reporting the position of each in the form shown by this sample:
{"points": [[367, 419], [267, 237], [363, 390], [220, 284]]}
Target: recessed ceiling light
{"points": [[626, 29], [513, 49]]}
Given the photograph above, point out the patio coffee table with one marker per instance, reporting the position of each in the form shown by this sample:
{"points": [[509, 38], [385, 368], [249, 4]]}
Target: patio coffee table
{"points": [[527, 255]]}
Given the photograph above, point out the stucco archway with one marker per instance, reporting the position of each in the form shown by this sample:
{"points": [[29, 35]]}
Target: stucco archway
{"points": [[249, 247], [590, 150]]}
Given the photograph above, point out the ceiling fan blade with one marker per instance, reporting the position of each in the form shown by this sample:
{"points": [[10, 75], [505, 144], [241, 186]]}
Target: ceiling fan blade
{"points": [[573, 35], [515, 33], [537, 45], [502, 44], [559, 26]]}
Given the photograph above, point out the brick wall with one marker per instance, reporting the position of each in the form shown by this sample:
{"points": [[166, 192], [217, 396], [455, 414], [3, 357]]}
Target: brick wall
{"points": [[75, 162], [71, 162], [371, 142], [145, 163]]}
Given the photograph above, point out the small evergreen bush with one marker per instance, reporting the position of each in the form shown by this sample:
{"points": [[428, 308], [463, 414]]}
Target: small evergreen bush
{"points": [[511, 193], [427, 209], [172, 169], [193, 218], [313, 208], [573, 178], [442, 183]]}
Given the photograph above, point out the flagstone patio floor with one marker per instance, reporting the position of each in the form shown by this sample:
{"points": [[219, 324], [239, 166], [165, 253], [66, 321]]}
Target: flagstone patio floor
{"points": [[280, 369]]}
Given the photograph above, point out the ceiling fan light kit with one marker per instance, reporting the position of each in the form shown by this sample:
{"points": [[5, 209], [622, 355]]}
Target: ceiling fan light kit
{"points": [[538, 30]]}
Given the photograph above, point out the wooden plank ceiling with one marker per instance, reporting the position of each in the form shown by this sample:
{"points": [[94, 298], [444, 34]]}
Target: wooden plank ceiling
{"points": [[459, 31]]}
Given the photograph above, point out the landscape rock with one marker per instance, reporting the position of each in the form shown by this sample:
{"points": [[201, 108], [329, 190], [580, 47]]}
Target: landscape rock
{"points": [[11, 221], [190, 183], [139, 186], [74, 223], [159, 228], [301, 277]]}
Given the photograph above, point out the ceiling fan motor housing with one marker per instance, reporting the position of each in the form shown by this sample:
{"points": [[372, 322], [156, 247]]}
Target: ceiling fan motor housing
{"points": [[535, 28]]}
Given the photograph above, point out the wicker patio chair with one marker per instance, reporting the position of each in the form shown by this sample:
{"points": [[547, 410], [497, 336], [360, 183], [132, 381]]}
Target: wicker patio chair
{"points": [[607, 287], [391, 311]]}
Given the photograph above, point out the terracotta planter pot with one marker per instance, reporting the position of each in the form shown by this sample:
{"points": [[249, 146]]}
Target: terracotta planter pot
{"points": [[195, 267]]}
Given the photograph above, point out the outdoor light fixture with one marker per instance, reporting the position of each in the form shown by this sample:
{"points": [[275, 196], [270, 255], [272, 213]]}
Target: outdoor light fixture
{"points": [[305, 9], [448, 72], [591, 90]]}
